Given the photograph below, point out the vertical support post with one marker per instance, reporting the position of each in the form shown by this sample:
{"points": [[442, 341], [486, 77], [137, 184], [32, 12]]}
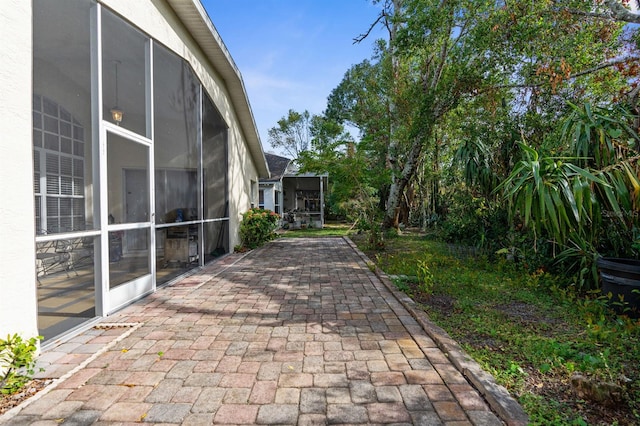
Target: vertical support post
{"points": [[321, 201], [99, 159]]}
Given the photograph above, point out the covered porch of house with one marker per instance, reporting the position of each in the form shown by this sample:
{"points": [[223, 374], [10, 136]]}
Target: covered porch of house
{"points": [[303, 200]]}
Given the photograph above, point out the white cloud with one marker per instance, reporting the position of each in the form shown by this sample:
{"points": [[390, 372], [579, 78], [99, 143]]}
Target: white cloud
{"points": [[292, 53]]}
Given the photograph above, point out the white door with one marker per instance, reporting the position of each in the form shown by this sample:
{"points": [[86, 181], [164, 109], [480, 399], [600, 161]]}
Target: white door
{"points": [[129, 208]]}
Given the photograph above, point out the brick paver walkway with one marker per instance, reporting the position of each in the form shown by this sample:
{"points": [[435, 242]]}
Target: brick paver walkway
{"points": [[297, 332]]}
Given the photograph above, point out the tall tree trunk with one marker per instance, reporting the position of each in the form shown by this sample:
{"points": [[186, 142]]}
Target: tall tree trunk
{"points": [[394, 197], [399, 181], [435, 178]]}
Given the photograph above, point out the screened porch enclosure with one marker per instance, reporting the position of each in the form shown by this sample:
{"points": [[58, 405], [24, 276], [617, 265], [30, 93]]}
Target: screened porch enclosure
{"points": [[303, 200], [130, 165]]}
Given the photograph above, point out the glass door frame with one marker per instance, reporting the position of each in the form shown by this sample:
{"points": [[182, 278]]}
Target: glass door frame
{"points": [[126, 293], [110, 300]]}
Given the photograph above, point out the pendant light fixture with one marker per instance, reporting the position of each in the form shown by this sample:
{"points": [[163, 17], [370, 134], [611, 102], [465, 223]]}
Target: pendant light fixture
{"points": [[116, 113]]}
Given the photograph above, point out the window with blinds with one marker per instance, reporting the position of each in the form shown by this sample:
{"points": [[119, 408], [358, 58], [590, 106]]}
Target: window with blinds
{"points": [[276, 203], [58, 164]]}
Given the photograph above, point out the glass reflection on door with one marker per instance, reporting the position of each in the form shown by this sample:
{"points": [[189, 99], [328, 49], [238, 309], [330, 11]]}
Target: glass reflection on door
{"points": [[124, 268], [128, 207]]}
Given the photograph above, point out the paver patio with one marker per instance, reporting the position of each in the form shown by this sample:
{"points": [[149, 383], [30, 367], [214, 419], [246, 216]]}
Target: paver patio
{"points": [[300, 331]]}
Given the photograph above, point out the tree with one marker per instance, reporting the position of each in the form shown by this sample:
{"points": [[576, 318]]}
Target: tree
{"points": [[608, 9], [445, 52], [474, 77], [354, 174], [434, 59], [361, 101], [292, 133], [440, 60]]}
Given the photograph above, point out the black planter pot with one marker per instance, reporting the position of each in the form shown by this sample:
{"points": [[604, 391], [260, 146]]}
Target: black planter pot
{"points": [[621, 277]]}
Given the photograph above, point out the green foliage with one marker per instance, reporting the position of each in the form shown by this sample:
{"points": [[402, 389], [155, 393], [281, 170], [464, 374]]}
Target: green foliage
{"points": [[425, 277], [257, 227], [543, 411], [529, 330], [402, 285], [473, 220], [292, 134], [17, 362], [355, 178], [597, 135], [550, 194], [329, 230], [441, 106], [585, 203]]}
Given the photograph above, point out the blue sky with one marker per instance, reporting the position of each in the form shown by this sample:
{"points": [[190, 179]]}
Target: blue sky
{"points": [[292, 53]]}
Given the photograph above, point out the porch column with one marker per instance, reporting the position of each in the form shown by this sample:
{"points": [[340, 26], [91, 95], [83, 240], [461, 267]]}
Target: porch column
{"points": [[321, 202]]}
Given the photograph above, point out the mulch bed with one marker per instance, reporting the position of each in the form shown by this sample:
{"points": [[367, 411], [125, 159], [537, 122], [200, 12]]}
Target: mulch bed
{"points": [[7, 402]]}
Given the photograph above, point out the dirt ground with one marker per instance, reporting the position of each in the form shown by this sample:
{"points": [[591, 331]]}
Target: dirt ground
{"points": [[549, 387]]}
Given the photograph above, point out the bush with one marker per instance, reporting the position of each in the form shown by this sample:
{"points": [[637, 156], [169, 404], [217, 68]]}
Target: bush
{"points": [[257, 227], [474, 221], [17, 362]]}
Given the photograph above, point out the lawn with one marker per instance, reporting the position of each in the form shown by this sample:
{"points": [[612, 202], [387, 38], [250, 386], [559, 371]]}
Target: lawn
{"points": [[566, 359], [330, 229]]}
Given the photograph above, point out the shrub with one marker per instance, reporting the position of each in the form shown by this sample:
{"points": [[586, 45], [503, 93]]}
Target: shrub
{"points": [[473, 221], [257, 227], [17, 362], [425, 278]]}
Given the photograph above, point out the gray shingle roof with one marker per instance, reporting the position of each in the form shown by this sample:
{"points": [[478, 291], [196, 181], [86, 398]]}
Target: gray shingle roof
{"points": [[277, 166]]}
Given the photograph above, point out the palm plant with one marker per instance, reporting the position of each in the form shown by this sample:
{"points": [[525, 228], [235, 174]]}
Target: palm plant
{"points": [[586, 203]]}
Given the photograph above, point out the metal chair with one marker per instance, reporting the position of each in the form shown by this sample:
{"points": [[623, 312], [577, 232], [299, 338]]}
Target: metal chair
{"points": [[53, 255]]}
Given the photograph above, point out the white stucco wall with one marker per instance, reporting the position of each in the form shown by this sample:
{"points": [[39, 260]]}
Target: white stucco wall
{"points": [[269, 196], [18, 308], [242, 189]]}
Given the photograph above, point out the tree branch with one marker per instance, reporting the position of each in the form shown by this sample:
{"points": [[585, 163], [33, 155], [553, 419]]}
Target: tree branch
{"points": [[616, 11], [571, 77], [621, 13], [361, 37], [605, 65]]}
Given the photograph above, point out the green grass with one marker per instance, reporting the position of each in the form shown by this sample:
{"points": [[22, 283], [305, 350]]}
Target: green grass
{"points": [[330, 229], [524, 329]]}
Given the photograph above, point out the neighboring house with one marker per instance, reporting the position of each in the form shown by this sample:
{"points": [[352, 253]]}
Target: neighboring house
{"points": [[270, 195], [298, 197], [128, 153]]}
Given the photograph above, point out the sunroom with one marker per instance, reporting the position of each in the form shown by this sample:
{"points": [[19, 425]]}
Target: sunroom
{"points": [[144, 154]]}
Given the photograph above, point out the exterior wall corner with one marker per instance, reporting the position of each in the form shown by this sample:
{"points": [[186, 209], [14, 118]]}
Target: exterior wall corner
{"points": [[18, 303]]}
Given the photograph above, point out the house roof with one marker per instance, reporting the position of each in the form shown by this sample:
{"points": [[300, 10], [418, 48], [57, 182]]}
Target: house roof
{"points": [[197, 21], [277, 166]]}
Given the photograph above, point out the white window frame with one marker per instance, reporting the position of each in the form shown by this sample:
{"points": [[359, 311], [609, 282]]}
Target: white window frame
{"points": [[276, 202], [58, 183]]}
